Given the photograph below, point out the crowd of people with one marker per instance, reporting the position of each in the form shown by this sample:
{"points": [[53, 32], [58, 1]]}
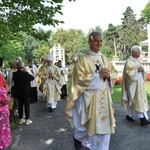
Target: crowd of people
{"points": [[19, 88], [89, 106]]}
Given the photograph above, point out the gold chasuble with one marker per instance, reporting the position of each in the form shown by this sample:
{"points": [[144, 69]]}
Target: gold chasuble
{"points": [[133, 90], [51, 87], [97, 107], [69, 71]]}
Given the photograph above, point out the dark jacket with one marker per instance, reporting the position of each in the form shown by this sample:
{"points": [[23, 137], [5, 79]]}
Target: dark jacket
{"points": [[22, 87]]}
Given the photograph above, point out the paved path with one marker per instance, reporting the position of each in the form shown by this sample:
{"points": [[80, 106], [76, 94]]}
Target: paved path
{"points": [[51, 131]]}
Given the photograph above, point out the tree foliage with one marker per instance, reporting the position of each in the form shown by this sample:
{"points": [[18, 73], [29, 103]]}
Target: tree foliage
{"points": [[73, 41], [130, 32], [146, 13], [21, 15], [19, 18], [11, 50], [111, 37]]}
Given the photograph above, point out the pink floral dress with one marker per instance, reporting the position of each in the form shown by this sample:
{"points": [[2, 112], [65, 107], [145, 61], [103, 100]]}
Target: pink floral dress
{"points": [[5, 131]]}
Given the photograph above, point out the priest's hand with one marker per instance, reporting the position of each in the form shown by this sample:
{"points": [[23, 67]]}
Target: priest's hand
{"points": [[104, 73], [51, 76], [140, 69]]}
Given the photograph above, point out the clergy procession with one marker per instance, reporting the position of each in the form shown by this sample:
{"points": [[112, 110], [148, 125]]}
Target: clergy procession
{"points": [[85, 88]]}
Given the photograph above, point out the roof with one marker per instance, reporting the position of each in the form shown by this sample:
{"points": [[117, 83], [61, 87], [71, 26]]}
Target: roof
{"points": [[144, 43]]}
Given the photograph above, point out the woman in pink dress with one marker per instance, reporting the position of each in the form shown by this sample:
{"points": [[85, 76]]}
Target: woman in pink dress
{"points": [[5, 131]]}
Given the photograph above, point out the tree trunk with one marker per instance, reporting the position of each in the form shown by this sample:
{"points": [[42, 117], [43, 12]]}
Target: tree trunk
{"points": [[115, 47]]}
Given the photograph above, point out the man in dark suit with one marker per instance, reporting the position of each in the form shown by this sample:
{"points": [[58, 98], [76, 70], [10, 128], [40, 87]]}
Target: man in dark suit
{"points": [[22, 91]]}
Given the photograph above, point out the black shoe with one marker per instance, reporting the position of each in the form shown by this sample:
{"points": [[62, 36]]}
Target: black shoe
{"points": [[50, 109], [129, 118], [144, 121], [77, 144], [85, 148]]}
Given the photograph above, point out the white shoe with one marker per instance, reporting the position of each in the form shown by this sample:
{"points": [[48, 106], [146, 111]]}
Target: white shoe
{"points": [[16, 113], [22, 121], [28, 121]]}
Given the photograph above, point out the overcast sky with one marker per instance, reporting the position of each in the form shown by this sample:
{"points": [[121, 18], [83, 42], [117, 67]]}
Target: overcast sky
{"points": [[86, 14]]}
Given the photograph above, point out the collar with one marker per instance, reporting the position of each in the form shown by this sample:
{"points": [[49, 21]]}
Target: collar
{"points": [[93, 53], [135, 59]]}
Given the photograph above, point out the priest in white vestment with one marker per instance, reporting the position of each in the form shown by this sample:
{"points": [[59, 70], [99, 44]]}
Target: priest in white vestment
{"points": [[63, 73], [32, 69], [134, 98], [89, 105]]}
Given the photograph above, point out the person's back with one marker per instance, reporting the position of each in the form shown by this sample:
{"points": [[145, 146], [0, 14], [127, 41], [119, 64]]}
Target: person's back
{"points": [[22, 84], [22, 92]]}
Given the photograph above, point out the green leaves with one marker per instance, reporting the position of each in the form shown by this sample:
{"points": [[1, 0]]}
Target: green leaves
{"points": [[21, 15], [146, 13]]}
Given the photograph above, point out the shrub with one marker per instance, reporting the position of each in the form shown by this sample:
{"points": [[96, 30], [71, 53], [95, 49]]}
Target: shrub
{"points": [[118, 80]]}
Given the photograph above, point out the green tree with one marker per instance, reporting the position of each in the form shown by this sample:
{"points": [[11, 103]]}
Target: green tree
{"points": [[97, 28], [146, 13], [111, 37], [34, 48], [130, 32], [10, 50], [41, 52], [21, 15], [73, 41]]}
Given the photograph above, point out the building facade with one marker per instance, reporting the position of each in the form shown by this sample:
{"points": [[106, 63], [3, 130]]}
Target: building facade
{"points": [[58, 53]]}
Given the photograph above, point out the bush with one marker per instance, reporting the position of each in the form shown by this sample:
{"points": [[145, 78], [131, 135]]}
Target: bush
{"points": [[148, 77], [118, 80]]}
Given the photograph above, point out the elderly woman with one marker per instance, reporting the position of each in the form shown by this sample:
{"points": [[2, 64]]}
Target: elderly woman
{"points": [[22, 91]]}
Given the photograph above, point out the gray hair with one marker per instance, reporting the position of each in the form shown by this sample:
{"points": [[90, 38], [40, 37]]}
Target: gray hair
{"points": [[95, 33], [19, 58], [75, 56], [135, 48], [19, 65]]}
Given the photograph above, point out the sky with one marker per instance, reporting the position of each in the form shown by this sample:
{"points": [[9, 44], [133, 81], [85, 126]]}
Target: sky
{"points": [[86, 14]]}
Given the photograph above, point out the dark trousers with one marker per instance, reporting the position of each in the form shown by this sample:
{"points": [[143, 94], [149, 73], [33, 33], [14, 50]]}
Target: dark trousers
{"points": [[63, 91], [34, 95], [24, 104]]}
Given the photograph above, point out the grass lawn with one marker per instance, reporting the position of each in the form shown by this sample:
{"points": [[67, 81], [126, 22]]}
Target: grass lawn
{"points": [[116, 97]]}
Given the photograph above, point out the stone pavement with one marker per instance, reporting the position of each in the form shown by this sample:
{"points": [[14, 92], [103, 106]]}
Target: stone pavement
{"points": [[51, 131]]}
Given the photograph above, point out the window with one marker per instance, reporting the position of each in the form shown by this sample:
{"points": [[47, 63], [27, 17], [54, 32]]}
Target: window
{"points": [[57, 58], [56, 46], [57, 52]]}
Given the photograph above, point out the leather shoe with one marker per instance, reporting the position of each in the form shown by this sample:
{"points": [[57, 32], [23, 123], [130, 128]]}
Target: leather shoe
{"points": [[129, 118], [77, 144], [144, 121], [50, 109]]}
